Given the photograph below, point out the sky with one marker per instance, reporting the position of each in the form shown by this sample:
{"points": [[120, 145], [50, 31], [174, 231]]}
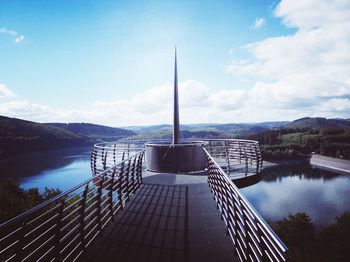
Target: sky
{"points": [[112, 62]]}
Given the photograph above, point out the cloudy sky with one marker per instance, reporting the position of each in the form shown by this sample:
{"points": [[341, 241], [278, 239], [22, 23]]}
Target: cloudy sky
{"points": [[111, 62]]}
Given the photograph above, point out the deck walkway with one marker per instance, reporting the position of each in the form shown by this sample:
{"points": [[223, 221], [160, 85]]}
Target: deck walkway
{"points": [[172, 217]]}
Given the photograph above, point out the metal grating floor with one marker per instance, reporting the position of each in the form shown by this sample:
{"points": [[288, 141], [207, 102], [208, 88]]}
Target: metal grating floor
{"points": [[172, 217]]}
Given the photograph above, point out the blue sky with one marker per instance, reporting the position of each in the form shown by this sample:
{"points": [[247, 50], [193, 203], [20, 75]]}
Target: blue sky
{"points": [[111, 62]]}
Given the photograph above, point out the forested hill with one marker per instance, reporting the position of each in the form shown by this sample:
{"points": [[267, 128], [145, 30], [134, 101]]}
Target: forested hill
{"points": [[96, 132], [19, 136], [318, 122], [329, 137]]}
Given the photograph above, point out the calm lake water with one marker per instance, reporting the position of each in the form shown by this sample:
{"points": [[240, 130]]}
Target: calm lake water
{"points": [[297, 187], [284, 189], [61, 169]]}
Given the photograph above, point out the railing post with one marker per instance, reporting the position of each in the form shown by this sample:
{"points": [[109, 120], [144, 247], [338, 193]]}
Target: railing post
{"points": [[102, 158], [134, 170], [114, 148], [93, 160], [246, 161], [227, 158], [128, 150], [110, 194], [99, 195], [128, 180], [120, 189], [210, 148], [20, 244], [246, 239], [235, 216], [82, 218], [105, 160], [257, 159], [261, 243], [58, 231], [139, 169], [229, 211]]}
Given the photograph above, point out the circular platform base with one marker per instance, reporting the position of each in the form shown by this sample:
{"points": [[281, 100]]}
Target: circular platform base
{"points": [[184, 157]]}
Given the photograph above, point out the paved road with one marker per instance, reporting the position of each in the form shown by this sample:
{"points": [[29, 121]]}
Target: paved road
{"points": [[330, 163]]}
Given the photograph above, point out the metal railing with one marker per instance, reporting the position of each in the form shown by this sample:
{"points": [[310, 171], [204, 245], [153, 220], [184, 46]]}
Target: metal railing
{"points": [[253, 239], [230, 153], [62, 227], [106, 155]]}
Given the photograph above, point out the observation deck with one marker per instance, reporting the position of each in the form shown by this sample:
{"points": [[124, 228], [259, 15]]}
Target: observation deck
{"points": [[127, 213]]}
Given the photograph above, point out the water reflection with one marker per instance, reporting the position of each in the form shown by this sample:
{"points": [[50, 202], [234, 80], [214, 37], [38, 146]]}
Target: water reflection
{"points": [[55, 169], [297, 187], [300, 168]]}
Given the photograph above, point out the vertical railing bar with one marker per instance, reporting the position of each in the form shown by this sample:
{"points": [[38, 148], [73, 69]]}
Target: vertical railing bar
{"points": [[99, 195], [128, 181], [82, 217], [114, 149], [20, 244], [120, 180], [111, 206], [227, 157], [57, 251], [133, 184]]}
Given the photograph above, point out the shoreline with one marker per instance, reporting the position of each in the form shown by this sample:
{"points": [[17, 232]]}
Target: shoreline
{"points": [[331, 164]]}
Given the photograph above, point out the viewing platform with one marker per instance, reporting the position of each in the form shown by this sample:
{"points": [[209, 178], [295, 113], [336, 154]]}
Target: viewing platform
{"points": [[187, 209], [127, 213], [172, 217]]}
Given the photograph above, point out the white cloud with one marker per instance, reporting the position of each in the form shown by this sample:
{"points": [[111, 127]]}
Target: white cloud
{"points": [[197, 105], [154, 106], [259, 22], [24, 109], [5, 92], [17, 38], [308, 71]]}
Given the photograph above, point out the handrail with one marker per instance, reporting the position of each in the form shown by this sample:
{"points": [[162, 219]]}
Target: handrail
{"points": [[236, 152], [65, 193], [248, 230], [62, 227], [231, 152]]}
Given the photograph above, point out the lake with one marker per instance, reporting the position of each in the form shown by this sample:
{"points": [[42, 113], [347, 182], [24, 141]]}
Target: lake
{"points": [[297, 187], [283, 189], [61, 169]]}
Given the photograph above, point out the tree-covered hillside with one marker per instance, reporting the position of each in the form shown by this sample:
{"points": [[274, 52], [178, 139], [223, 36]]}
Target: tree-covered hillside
{"points": [[318, 122], [283, 143], [19, 136], [96, 132]]}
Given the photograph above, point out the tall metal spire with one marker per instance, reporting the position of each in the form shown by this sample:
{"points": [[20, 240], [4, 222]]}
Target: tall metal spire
{"points": [[176, 125]]}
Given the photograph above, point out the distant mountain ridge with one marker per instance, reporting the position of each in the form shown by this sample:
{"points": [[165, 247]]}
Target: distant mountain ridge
{"points": [[319, 122], [94, 131], [19, 136], [236, 128]]}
